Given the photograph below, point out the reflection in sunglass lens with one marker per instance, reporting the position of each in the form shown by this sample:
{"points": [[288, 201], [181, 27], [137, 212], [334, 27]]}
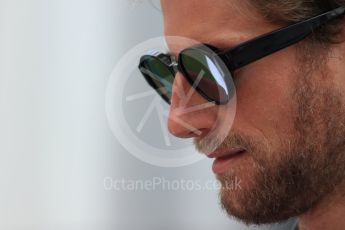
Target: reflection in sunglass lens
{"points": [[204, 71]]}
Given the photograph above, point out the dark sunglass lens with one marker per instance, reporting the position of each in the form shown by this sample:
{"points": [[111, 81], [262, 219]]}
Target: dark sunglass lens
{"points": [[206, 73], [158, 75]]}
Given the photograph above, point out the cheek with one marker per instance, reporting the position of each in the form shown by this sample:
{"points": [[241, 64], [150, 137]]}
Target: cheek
{"points": [[264, 98]]}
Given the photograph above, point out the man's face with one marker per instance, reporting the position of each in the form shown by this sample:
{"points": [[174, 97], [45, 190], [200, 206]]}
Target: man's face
{"points": [[289, 119]]}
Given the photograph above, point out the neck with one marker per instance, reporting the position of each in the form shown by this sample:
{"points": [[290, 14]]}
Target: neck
{"points": [[327, 214]]}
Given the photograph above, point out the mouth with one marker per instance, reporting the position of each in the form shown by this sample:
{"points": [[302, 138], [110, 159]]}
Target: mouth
{"points": [[225, 159]]}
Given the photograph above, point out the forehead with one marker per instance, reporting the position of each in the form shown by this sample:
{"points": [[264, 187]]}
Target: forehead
{"points": [[222, 23]]}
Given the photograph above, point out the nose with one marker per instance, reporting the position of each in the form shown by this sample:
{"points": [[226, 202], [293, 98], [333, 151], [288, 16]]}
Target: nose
{"points": [[190, 114]]}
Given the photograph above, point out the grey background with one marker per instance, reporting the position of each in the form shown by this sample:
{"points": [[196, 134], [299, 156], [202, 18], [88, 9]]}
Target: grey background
{"points": [[56, 147]]}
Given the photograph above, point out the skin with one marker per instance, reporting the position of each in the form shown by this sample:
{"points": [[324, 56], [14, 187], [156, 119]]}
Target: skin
{"points": [[288, 117]]}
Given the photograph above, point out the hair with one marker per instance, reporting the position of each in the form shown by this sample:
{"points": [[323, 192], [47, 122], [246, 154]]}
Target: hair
{"points": [[291, 11], [316, 47]]}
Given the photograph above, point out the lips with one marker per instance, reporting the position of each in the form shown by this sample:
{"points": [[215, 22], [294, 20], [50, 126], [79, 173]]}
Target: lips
{"points": [[225, 153], [226, 159]]}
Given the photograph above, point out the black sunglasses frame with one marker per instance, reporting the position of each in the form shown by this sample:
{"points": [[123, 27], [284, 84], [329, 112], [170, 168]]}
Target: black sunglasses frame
{"points": [[249, 51]]}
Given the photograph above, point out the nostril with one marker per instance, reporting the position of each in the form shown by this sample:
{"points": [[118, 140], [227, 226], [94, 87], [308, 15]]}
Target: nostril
{"points": [[186, 129], [203, 133]]}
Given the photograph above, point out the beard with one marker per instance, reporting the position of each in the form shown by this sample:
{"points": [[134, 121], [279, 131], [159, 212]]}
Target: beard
{"points": [[308, 164]]}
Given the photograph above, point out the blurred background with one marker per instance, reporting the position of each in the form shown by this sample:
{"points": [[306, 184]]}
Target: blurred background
{"points": [[57, 151]]}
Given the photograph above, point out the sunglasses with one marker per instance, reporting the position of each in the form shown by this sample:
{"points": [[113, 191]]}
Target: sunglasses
{"points": [[209, 70]]}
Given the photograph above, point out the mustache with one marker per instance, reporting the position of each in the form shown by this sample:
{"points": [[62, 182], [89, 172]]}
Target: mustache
{"points": [[210, 144]]}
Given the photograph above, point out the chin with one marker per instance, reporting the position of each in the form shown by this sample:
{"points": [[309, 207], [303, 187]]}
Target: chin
{"points": [[244, 195]]}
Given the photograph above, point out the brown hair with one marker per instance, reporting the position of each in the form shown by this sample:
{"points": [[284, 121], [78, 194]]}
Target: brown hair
{"points": [[291, 11], [315, 48]]}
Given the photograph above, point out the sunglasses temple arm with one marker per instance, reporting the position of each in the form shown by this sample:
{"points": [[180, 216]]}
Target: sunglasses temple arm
{"points": [[267, 44]]}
